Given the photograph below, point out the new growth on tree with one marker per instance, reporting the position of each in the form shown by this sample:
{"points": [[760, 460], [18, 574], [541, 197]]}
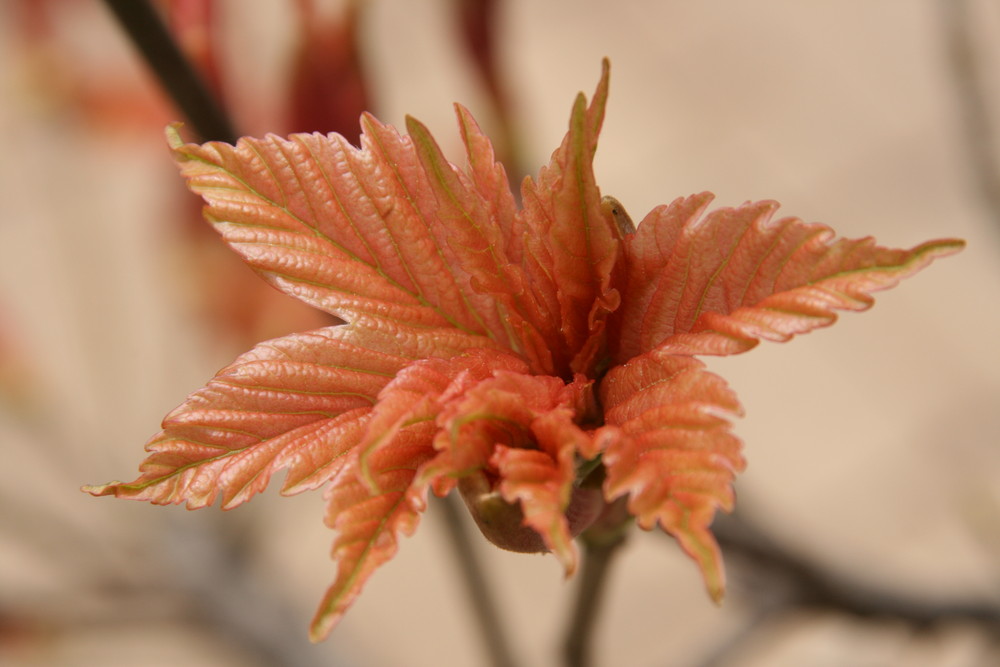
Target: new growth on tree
{"points": [[538, 358]]}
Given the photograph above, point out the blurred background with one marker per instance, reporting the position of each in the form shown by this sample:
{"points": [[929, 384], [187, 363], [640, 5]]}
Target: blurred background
{"points": [[868, 522]]}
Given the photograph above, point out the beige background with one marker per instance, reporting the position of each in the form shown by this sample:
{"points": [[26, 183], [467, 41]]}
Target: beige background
{"points": [[872, 446]]}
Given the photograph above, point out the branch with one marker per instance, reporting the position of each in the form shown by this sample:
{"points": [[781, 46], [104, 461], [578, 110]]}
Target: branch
{"points": [[779, 581], [226, 595], [173, 70], [807, 585], [600, 543], [974, 112], [483, 605]]}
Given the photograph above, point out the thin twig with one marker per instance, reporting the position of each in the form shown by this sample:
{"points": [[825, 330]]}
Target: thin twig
{"points": [[175, 73], [224, 592], [483, 604], [777, 582], [806, 585], [600, 544], [577, 649], [976, 117]]}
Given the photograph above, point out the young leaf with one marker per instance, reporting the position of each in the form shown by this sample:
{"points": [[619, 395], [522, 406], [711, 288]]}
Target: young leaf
{"points": [[475, 215], [571, 246], [507, 408], [542, 485], [299, 402], [717, 283], [671, 451], [491, 181], [380, 492], [520, 429], [368, 521], [419, 393], [350, 231]]}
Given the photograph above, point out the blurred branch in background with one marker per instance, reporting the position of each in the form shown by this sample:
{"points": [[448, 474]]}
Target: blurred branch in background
{"points": [[968, 78], [774, 581], [226, 594], [491, 627], [183, 84], [194, 575]]}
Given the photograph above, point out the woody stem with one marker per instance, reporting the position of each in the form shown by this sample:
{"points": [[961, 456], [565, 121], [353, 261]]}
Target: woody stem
{"points": [[483, 602], [600, 544]]}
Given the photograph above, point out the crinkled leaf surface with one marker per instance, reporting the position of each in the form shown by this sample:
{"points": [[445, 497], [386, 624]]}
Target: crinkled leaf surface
{"points": [[351, 231], [368, 522], [422, 391], [480, 210], [572, 245], [520, 430], [672, 452], [307, 403], [716, 283], [487, 346], [541, 484], [295, 402], [502, 409]]}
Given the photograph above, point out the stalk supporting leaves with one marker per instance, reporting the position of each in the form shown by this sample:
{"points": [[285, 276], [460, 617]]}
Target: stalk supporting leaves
{"points": [[601, 542]]}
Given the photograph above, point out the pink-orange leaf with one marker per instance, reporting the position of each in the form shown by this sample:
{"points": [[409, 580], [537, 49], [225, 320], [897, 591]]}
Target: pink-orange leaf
{"points": [[420, 392], [542, 485], [672, 452], [368, 521], [520, 429], [716, 283], [297, 403], [478, 213], [351, 231], [508, 408], [571, 246]]}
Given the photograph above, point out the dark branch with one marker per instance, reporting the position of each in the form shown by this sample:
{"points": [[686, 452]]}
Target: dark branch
{"points": [[776, 581], [802, 584], [173, 70]]}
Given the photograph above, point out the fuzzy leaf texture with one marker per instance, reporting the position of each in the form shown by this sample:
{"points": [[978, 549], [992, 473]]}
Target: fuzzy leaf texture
{"points": [[503, 350]]}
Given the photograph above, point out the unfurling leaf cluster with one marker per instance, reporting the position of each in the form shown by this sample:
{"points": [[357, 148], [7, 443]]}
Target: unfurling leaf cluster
{"points": [[537, 353]]}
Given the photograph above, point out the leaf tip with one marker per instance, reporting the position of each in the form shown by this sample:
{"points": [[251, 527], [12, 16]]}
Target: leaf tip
{"points": [[414, 126], [173, 134], [568, 558], [705, 551], [322, 626], [98, 490], [922, 255], [717, 594], [464, 116], [601, 92], [943, 247], [369, 123]]}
